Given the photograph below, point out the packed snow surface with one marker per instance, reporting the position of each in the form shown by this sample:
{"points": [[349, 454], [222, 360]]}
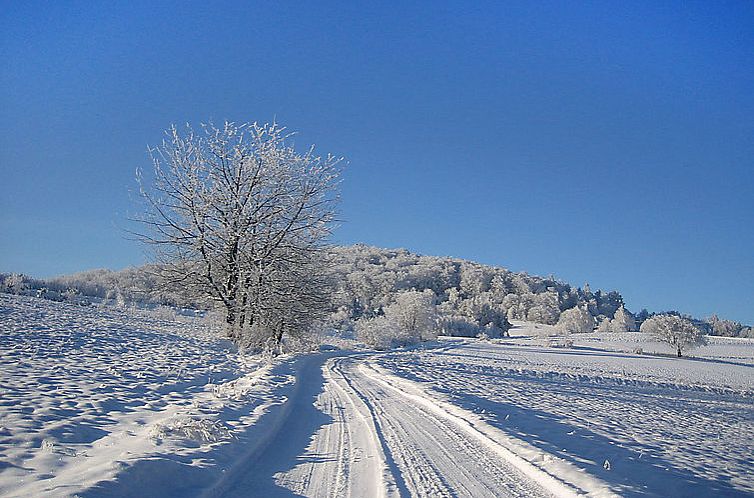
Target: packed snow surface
{"points": [[108, 402]]}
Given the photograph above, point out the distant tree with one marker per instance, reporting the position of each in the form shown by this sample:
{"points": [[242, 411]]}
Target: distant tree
{"points": [[587, 290], [623, 321], [543, 313], [475, 279], [604, 326], [378, 332], [15, 283], [725, 328], [676, 331], [415, 314], [410, 318], [608, 302], [546, 308], [576, 321], [516, 305]]}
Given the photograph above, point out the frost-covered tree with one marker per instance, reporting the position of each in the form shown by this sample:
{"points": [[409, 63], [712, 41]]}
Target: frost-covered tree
{"points": [[293, 298], [15, 283], [623, 321], [604, 326], [517, 305], [235, 212], [726, 328], [547, 313], [410, 318], [676, 331], [379, 332], [576, 321], [415, 314]]}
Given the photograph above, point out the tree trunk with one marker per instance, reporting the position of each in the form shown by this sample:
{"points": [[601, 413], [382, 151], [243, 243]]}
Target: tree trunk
{"points": [[244, 303], [278, 338], [230, 320]]}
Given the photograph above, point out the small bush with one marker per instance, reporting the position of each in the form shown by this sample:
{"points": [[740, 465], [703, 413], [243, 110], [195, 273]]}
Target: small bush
{"points": [[559, 342], [482, 336], [382, 333], [201, 430]]}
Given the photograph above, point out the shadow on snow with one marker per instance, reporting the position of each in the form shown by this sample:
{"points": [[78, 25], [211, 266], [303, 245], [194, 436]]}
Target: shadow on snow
{"points": [[227, 469]]}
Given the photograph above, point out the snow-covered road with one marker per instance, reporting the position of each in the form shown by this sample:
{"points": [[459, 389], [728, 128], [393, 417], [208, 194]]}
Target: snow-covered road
{"points": [[351, 429], [322, 445], [430, 454]]}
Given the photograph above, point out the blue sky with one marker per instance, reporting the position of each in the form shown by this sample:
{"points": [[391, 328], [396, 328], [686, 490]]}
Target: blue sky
{"points": [[602, 142]]}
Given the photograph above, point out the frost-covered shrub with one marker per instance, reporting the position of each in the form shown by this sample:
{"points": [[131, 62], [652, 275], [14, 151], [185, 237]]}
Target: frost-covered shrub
{"points": [[51, 446], [414, 313], [576, 321], [559, 342], [201, 430], [14, 283], [381, 333], [51, 295]]}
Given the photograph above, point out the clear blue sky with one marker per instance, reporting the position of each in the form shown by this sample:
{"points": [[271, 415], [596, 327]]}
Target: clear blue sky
{"points": [[602, 142]]}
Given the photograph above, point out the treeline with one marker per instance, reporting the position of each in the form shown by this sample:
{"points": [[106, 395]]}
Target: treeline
{"points": [[134, 285], [466, 298]]}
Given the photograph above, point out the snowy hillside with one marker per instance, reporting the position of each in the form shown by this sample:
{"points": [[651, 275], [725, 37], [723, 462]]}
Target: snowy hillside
{"points": [[108, 402]]}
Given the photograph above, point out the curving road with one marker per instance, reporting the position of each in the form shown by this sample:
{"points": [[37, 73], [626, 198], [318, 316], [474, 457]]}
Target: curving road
{"points": [[350, 432]]}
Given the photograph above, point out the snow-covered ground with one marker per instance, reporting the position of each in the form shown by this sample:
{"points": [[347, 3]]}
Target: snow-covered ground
{"points": [[648, 425], [106, 402], [90, 393]]}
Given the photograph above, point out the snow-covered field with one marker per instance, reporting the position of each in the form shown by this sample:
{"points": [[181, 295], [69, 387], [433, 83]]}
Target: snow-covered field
{"points": [[665, 426], [86, 393], [107, 402]]}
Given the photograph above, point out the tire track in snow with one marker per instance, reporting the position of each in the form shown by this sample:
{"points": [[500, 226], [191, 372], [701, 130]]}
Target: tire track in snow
{"points": [[323, 445], [552, 475], [434, 456], [353, 431]]}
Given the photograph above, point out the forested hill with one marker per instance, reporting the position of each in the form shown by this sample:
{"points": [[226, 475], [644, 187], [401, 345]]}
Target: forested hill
{"points": [[369, 278]]}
